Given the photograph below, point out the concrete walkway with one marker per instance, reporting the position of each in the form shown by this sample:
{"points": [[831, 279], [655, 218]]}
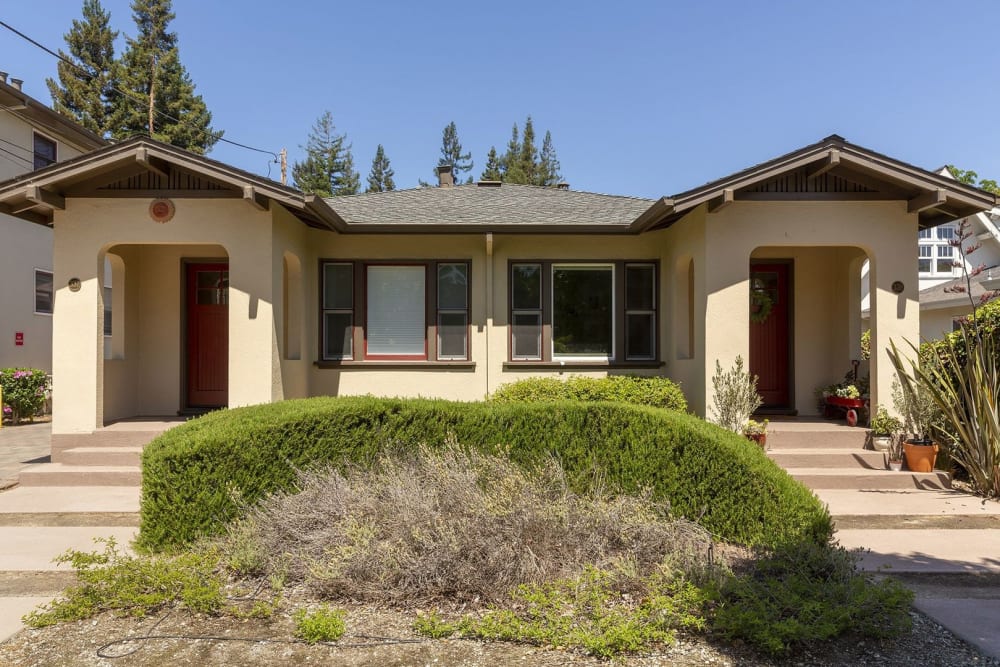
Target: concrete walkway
{"points": [[40, 523], [943, 545]]}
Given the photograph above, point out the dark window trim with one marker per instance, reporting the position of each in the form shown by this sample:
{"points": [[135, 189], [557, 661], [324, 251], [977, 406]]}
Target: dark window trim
{"points": [[35, 135], [359, 322], [52, 295], [618, 360]]}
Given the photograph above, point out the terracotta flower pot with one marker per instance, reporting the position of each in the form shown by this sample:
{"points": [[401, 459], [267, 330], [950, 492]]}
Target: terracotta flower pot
{"points": [[920, 458]]}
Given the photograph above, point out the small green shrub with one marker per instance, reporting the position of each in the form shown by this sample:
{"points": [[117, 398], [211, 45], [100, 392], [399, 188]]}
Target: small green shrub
{"points": [[135, 586], [323, 624], [433, 626], [735, 396], [805, 593], [657, 392], [594, 613], [203, 474], [24, 392]]}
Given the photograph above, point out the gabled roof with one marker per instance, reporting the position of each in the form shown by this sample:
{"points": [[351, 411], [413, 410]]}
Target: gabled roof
{"points": [[944, 295], [489, 205], [20, 103], [832, 168], [150, 167]]}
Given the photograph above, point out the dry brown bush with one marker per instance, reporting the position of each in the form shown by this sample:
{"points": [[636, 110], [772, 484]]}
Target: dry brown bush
{"points": [[450, 524]]}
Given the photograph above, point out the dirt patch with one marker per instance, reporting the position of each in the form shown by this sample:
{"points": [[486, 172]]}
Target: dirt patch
{"points": [[384, 637], [917, 521], [69, 519]]}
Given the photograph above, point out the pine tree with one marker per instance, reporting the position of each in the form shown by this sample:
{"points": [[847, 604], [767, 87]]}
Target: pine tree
{"points": [[85, 93], [451, 153], [328, 169], [151, 68], [494, 170], [548, 163], [528, 158], [349, 182], [510, 163], [380, 176]]}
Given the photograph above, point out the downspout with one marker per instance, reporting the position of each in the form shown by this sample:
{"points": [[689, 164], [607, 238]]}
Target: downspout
{"points": [[489, 304]]}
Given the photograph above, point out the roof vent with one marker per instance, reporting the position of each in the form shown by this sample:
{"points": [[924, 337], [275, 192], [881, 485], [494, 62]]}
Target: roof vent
{"points": [[3, 77], [446, 176], [562, 186], [16, 83], [489, 184]]}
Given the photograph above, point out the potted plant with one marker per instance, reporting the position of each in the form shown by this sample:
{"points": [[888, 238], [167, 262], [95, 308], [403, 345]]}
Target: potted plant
{"points": [[919, 412], [756, 431], [883, 427], [894, 455]]}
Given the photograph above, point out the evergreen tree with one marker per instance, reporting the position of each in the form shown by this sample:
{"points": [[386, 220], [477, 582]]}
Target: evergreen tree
{"points": [[510, 163], [451, 153], [380, 176], [528, 158], [494, 170], [350, 180], [151, 68], [328, 169], [85, 93], [548, 163]]}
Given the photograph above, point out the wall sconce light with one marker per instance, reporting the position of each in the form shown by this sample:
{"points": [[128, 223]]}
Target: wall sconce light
{"points": [[898, 287], [74, 284]]}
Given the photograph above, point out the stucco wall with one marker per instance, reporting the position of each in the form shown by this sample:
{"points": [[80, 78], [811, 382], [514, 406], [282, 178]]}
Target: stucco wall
{"points": [[24, 247], [936, 323]]}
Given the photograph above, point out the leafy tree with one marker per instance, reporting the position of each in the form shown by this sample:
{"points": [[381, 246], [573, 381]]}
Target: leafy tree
{"points": [[494, 170], [380, 176], [85, 93], [151, 67], [328, 169], [451, 153], [970, 177]]}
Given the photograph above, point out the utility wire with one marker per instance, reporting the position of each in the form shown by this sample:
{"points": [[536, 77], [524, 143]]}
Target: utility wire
{"points": [[134, 96]]}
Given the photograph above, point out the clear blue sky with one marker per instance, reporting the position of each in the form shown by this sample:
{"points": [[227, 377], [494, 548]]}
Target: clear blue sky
{"points": [[642, 98]]}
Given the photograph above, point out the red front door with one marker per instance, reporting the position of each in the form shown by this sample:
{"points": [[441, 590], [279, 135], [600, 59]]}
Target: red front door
{"points": [[207, 335], [770, 339]]}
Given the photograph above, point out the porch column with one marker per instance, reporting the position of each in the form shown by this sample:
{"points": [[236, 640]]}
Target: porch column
{"points": [[895, 315], [77, 338], [727, 311], [254, 364]]}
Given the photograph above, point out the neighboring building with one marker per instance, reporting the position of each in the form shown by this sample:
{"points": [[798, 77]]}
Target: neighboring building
{"points": [[32, 136], [229, 289]]}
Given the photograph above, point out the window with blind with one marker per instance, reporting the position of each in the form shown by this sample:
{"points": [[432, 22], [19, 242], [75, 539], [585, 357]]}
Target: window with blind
{"points": [[402, 311]]}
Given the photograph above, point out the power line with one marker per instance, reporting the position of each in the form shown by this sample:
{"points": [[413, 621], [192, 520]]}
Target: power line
{"points": [[133, 96]]}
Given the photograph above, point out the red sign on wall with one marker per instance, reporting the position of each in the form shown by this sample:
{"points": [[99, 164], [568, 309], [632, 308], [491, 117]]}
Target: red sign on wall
{"points": [[18, 338]]}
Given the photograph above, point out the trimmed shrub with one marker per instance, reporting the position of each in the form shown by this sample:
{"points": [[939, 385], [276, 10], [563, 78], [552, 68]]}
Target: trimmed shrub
{"points": [[658, 392], [198, 476], [24, 392]]}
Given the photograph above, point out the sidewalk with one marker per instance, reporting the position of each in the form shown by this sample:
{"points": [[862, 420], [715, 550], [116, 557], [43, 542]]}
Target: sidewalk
{"points": [[39, 523], [944, 545]]}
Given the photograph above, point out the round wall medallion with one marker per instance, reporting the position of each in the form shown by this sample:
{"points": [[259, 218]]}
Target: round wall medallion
{"points": [[74, 284], [161, 210], [897, 287]]}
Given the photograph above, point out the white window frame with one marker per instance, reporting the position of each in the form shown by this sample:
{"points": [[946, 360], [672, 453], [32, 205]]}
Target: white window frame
{"points": [[52, 298], [614, 310], [934, 242]]}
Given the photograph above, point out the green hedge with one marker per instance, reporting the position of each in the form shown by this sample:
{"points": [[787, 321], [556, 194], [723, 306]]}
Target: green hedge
{"points": [[196, 475], [659, 392]]}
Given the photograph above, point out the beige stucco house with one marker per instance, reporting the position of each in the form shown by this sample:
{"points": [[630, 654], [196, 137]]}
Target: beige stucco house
{"points": [[229, 289], [31, 136]]}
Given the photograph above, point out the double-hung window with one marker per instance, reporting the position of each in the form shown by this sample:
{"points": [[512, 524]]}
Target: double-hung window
{"points": [[44, 151], [583, 311], [935, 254], [44, 295], [405, 311]]}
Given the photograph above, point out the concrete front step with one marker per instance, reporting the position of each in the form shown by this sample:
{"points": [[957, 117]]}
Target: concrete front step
{"points": [[858, 478], [779, 436], [829, 457], [61, 443], [61, 474], [102, 456]]}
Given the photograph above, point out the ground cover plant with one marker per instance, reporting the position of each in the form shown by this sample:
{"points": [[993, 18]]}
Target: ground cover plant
{"points": [[197, 477]]}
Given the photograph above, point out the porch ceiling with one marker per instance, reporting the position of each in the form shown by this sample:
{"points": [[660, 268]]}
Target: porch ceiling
{"points": [[830, 170]]}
